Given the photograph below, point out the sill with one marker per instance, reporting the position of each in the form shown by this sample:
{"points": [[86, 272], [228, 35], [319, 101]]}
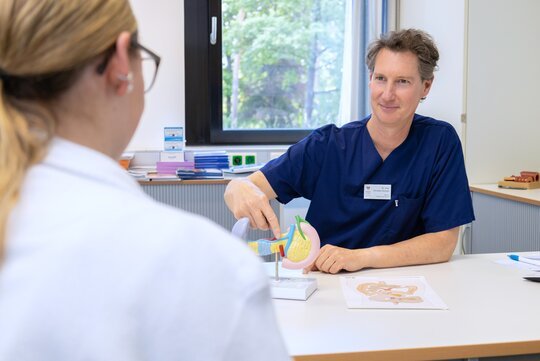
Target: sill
{"points": [[148, 158]]}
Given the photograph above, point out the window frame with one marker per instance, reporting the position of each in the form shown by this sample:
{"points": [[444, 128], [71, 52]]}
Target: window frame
{"points": [[203, 76], [203, 82]]}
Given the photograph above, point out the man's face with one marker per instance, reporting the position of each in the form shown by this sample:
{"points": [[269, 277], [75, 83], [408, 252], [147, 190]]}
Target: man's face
{"points": [[396, 87]]}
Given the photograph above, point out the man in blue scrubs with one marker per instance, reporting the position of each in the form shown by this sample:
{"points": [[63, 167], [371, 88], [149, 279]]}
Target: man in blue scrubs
{"points": [[389, 190]]}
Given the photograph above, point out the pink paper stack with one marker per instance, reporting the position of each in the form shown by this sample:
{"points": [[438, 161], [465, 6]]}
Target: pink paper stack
{"points": [[171, 167]]}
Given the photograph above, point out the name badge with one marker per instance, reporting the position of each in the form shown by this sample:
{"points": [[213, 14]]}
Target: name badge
{"points": [[377, 191]]}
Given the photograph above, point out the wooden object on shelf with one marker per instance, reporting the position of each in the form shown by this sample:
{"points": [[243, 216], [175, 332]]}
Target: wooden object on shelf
{"points": [[518, 185]]}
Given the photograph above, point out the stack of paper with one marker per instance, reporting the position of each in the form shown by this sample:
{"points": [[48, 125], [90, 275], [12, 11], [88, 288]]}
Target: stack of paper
{"points": [[216, 160], [171, 167], [186, 174], [246, 168], [140, 172]]}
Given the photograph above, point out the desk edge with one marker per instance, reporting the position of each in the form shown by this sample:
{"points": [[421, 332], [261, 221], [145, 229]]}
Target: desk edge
{"points": [[434, 353], [505, 196]]}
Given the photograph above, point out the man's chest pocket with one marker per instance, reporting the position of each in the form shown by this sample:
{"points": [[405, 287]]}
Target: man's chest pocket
{"points": [[405, 216]]}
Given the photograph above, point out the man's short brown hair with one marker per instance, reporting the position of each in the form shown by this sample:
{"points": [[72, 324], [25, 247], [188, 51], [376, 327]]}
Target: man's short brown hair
{"points": [[416, 41]]}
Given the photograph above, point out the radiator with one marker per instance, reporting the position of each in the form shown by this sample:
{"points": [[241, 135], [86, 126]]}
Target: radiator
{"points": [[504, 225], [204, 199]]}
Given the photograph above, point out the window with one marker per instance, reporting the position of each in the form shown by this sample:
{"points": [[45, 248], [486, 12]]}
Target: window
{"points": [[268, 72]]}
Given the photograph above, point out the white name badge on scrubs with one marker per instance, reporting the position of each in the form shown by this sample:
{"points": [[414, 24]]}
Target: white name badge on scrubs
{"points": [[377, 191]]}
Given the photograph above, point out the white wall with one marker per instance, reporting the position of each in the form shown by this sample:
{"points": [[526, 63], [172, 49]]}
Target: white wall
{"points": [[161, 28], [445, 21], [503, 122], [500, 89]]}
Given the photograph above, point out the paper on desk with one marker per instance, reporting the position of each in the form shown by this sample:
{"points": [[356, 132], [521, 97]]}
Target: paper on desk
{"points": [[140, 172], [511, 263], [390, 292], [523, 265]]}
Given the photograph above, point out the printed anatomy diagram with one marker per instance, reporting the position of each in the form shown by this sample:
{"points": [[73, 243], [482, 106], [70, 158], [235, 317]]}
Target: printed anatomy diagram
{"points": [[383, 292], [390, 292]]}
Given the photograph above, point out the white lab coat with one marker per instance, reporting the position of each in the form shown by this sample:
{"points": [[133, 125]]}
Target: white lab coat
{"points": [[97, 270]]}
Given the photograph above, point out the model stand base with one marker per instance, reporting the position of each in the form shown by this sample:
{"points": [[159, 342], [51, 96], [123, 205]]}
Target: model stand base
{"points": [[292, 288]]}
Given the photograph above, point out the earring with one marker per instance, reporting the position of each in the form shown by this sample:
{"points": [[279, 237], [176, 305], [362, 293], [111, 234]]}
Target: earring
{"points": [[129, 79], [422, 99]]}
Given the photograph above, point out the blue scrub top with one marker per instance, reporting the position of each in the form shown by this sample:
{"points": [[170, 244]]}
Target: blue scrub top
{"points": [[430, 190]]}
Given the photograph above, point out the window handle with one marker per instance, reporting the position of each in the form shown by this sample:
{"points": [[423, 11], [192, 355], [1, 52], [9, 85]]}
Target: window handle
{"points": [[213, 34]]}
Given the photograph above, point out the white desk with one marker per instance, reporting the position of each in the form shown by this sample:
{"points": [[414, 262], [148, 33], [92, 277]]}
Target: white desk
{"points": [[492, 312], [530, 196]]}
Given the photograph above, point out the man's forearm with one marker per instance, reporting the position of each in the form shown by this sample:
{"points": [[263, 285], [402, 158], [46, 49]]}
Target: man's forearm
{"points": [[427, 248], [259, 179]]}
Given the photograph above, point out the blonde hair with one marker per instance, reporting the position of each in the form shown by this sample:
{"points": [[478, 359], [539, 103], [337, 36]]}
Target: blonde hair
{"points": [[44, 45]]}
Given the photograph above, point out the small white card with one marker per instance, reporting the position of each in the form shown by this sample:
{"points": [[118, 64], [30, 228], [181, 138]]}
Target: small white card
{"points": [[377, 191]]}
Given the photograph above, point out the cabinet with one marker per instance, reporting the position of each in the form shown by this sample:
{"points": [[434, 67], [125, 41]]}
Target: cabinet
{"points": [[507, 220]]}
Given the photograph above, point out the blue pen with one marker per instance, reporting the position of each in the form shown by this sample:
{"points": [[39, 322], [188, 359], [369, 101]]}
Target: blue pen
{"points": [[515, 257]]}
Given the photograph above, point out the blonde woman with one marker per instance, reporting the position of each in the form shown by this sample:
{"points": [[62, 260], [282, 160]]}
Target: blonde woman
{"points": [[91, 267]]}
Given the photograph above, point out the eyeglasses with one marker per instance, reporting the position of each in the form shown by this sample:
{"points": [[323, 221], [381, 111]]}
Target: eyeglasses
{"points": [[150, 62], [150, 66]]}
